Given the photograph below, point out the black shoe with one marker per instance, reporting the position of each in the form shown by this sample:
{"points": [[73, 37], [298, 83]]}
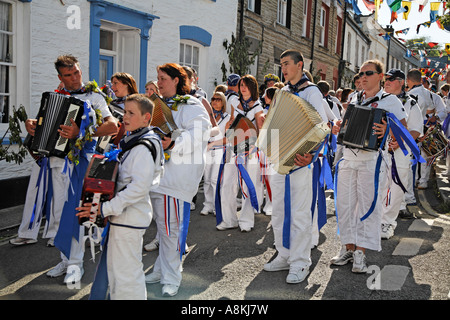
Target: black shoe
{"points": [[405, 214]]}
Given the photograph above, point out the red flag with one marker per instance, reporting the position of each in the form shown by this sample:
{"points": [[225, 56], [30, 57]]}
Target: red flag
{"points": [[432, 44]]}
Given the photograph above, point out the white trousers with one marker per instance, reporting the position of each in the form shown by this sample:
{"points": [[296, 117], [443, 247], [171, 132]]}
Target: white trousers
{"points": [[168, 263], [355, 193], [124, 263], [393, 199], [299, 252], [57, 204], [229, 191], [424, 169], [213, 158]]}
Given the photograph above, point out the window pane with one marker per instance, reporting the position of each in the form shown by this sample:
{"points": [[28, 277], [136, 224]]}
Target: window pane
{"points": [[188, 55], [195, 57], [5, 16], [106, 40], [181, 53], [4, 109], [5, 48]]}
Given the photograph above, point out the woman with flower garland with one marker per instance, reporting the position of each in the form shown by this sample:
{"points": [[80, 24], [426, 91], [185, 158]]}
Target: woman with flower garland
{"points": [[251, 108], [186, 149]]}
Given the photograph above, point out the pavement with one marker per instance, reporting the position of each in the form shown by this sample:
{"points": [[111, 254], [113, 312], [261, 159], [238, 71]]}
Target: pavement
{"points": [[228, 265]]}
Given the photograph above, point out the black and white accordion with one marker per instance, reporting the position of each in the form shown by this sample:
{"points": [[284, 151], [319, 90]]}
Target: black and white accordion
{"points": [[56, 109], [357, 127]]}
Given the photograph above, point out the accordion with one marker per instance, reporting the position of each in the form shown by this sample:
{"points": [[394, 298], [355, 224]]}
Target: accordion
{"points": [[104, 141], [99, 186], [241, 134], [356, 129], [292, 126], [162, 117], [56, 109]]}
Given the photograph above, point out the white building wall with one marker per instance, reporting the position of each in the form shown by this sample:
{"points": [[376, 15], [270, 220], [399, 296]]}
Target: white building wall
{"points": [[51, 37]]}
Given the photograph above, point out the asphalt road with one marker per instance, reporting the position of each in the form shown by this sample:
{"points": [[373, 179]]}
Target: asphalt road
{"points": [[228, 266]]}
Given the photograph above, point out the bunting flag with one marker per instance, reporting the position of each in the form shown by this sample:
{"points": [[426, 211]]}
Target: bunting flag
{"points": [[370, 4], [422, 4], [408, 53], [447, 48], [432, 44], [406, 5], [355, 6], [434, 9], [394, 5], [404, 31]]}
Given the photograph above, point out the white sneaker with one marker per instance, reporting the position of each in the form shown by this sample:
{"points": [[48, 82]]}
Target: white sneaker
{"points": [[152, 246], [387, 231], [51, 242], [297, 275], [422, 186], [169, 290], [344, 257], [153, 277], [277, 264], [58, 270], [192, 206], [359, 262], [222, 226], [21, 241], [73, 274]]}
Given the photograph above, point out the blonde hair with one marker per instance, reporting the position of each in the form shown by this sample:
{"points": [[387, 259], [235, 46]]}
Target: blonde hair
{"points": [[223, 98]]}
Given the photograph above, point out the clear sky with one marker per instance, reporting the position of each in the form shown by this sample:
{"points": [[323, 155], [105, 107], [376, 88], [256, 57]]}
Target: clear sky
{"points": [[433, 34]]}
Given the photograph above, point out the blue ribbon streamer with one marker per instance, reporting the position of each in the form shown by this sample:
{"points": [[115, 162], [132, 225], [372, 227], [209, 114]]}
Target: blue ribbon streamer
{"points": [[218, 198], [394, 173], [184, 227], [287, 199], [100, 285], [248, 181], [43, 174]]}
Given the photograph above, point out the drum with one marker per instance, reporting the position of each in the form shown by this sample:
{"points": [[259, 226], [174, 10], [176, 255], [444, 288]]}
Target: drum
{"points": [[435, 142]]}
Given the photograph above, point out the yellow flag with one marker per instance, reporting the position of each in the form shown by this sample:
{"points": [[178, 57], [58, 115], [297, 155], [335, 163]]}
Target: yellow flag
{"points": [[407, 6], [447, 48], [434, 6]]}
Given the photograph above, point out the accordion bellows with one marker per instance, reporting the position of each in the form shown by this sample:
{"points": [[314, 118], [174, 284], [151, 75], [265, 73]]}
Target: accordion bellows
{"points": [[162, 116], [292, 126]]}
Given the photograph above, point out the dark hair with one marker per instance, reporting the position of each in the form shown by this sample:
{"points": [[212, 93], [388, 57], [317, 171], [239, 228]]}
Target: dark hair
{"points": [[251, 84], [415, 75], [144, 103], [126, 79], [174, 70], [66, 61], [294, 54], [323, 86], [270, 92]]}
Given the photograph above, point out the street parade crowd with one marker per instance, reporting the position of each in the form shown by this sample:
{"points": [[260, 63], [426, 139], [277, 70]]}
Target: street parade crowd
{"points": [[159, 172]]}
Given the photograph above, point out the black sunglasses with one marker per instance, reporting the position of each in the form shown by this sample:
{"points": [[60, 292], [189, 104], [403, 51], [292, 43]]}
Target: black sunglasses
{"points": [[392, 79], [367, 73]]}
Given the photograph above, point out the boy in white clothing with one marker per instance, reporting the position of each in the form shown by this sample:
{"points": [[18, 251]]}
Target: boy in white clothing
{"points": [[130, 211]]}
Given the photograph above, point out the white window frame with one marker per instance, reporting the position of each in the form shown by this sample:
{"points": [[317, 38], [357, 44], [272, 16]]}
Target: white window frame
{"points": [[305, 17], [11, 65], [322, 26], [251, 5], [193, 45], [282, 12]]}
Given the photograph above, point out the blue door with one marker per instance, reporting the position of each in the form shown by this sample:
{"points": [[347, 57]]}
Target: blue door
{"points": [[106, 69]]}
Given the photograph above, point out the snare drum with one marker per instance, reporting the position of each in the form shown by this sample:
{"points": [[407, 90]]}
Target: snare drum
{"points": [[435, 142]]}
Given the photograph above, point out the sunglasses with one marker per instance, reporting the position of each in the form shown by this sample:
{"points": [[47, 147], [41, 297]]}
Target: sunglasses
{"points": [[216, 99], [392, 79], [367, 73]]}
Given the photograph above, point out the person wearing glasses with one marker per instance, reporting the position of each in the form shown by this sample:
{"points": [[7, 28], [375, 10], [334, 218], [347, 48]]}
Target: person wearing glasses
{"points": [[214, 154], [355, 190], [395, 84]]}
